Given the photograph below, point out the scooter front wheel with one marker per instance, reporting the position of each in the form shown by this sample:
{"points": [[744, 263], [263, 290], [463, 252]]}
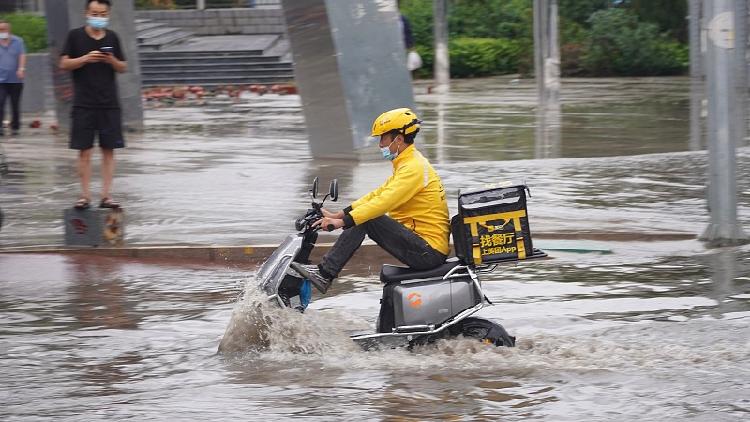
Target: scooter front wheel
{"points": [[484, 330]]}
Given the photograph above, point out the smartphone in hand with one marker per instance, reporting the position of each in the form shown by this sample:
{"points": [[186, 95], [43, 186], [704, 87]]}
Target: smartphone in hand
{"points": [[107, 50]]}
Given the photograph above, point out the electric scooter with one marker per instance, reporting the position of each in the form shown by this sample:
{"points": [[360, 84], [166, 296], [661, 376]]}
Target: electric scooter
{"points": [[417, 307]]}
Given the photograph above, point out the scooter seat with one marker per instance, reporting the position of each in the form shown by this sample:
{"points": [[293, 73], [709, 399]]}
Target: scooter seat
{"points": [[394, 274]]}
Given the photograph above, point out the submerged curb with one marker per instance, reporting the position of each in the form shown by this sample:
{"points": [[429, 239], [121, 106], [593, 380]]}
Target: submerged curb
{"points": [[369, 252]]}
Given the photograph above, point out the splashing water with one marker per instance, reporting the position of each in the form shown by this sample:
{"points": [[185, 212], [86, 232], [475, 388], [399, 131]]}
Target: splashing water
{"points": [[260, 325], [272, 334]]}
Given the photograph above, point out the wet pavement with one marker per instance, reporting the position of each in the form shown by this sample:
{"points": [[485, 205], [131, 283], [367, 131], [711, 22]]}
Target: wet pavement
{"points": [[236, 172], [656, 330]]}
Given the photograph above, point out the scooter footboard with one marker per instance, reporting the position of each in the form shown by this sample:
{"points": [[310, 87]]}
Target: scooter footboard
{"points": [[428, 302]]}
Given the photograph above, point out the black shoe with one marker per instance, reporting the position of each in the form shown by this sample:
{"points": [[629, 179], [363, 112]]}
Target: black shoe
{"points": [[312, 273], [109, 203]]}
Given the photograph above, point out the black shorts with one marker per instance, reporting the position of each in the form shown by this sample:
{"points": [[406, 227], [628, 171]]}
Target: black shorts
{"points": [[87, 122]]}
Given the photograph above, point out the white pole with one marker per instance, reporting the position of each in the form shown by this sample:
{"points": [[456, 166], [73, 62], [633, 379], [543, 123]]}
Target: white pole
{"points": [[740, 69], [696, 74], [723, 136], [440, 33], [547, 73], [547, 54], [200, 4]]}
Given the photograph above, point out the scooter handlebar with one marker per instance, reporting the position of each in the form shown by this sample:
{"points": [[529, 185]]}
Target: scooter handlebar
{"points": [[310, 217]]}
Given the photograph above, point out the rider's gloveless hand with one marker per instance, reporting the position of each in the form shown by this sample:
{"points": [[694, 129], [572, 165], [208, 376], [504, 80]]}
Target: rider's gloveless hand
{"points": [[329, 214], [325, 223]]}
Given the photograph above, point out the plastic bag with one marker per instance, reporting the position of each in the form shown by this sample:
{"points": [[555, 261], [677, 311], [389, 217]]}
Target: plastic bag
{"points": [[413, 61]]}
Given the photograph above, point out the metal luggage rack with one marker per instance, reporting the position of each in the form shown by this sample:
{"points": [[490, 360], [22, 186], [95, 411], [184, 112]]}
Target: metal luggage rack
{"points": [[490, 267]]}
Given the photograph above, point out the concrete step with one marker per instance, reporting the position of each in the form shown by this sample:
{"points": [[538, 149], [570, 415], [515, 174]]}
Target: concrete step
{"points": [[211, 61], [214, 73], [156, 32], [145, 25], [207, 54], [151, 59], [166, 40], [154, 35], [214, 67]]}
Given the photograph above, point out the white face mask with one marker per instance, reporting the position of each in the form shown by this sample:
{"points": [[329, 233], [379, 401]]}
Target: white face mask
{"points": [[386, 152], [4, 35], [97, 22]]}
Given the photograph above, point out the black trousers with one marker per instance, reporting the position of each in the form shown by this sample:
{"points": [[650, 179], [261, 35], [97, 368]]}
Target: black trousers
{"points": [[389, 234], [14, 92]]}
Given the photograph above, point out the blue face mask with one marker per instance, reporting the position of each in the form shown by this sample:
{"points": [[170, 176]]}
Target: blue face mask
{"points": [[387, 154], [97, 22]]}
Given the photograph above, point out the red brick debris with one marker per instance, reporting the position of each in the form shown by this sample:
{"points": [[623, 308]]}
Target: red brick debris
{"points": [[174, 93]]}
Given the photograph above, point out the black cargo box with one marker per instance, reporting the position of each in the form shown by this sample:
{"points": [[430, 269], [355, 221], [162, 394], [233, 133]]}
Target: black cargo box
{"points": [[492, 225]]}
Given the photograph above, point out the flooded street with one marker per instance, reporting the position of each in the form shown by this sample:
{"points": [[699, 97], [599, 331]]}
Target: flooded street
{"points": [[238, 172], [654, 326], [600, 337]]}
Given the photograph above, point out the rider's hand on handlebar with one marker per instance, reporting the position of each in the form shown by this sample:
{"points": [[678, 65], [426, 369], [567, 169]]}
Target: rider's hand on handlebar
{"points": [[326, 222], [329, 214]]}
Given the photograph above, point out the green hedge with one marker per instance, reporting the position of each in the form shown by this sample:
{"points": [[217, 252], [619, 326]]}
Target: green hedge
{"points": [[621, 45], [597, 39], [471, 57], [509, 19], [32, 28]]}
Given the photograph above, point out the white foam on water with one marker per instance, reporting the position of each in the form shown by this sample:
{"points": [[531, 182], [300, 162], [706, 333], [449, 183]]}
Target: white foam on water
{"points": [[261, 331], [259, 325]]}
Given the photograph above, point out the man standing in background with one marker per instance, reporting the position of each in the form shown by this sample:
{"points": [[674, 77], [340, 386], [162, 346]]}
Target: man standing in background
{"points": [[12, 73], [93, 54]]}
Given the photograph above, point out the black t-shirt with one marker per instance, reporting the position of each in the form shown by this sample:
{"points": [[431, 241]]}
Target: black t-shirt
{"points": [[94, 83]]}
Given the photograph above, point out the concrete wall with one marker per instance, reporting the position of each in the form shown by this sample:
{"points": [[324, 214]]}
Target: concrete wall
{"points": [[350, 66], [220, 21], [38, 95]]}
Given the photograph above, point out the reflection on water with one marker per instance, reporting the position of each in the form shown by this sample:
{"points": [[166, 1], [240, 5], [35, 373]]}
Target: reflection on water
{"points": [[662, 325], [93, 338], [548, 124], [237, 171]]}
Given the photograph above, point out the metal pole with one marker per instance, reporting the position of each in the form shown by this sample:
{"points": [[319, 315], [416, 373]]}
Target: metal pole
{"points": [[723, 229], [441, 138], [539, 44], [547, 54], [696, 75], [547, 72], [746, 74], [200, 4], [740, 69], [552, 64], [440, 33]]}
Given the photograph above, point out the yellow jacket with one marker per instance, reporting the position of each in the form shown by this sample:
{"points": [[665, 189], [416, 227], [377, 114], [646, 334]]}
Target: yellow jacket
{"points": [[413, 196]]}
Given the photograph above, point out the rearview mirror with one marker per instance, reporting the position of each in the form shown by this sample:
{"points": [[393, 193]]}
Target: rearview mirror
{"points": [[333, 190], [314, 190]]}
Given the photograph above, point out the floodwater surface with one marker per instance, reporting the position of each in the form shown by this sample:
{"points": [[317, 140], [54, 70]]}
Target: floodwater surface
{"points": [[237, 171], [652, 330], [600, 337]]}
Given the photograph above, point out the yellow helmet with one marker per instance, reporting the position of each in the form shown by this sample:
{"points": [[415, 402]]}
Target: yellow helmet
{"points": [[401, 119]]}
